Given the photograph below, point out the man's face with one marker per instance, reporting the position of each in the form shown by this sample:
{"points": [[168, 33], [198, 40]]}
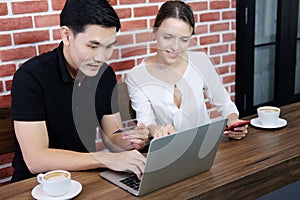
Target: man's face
{"points": [[88, 50]]}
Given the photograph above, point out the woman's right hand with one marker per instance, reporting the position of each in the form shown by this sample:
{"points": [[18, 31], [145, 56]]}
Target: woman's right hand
{"points": [[159, 131]]}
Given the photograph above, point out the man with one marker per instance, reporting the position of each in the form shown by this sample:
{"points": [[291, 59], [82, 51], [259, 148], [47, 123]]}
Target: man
{"points": [[60, 97]]}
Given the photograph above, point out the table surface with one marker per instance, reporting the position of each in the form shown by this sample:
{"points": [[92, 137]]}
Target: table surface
{"points": [[262, 162]]}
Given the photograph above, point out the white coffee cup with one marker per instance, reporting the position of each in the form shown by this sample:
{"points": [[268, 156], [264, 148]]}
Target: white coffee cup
{"points": [[268, 115], [55, 183]]}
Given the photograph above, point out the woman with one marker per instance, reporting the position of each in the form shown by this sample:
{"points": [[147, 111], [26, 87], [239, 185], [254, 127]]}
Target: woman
{"points": [[166, 89]]}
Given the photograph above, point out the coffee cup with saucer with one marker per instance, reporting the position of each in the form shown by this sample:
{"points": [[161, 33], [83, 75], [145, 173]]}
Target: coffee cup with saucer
{"points": [[56, 184], [268, 118]]}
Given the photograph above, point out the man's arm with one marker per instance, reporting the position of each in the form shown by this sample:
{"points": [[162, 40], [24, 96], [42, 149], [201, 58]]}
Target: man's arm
{"points": [[33, 140]]}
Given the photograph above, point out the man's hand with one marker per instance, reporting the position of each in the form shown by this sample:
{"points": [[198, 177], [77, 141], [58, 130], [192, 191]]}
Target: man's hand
{"points": [[132, 161]]}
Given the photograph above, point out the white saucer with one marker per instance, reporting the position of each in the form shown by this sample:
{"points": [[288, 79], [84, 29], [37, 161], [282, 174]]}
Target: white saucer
{"points": [[280, 123], [38, 193]]}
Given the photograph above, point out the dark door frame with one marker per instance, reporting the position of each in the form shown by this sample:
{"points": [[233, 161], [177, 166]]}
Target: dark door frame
{"points": [[285, 56]]}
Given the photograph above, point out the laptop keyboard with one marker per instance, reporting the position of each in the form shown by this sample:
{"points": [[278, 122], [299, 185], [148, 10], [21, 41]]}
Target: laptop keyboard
{"points": [[131, 181]]}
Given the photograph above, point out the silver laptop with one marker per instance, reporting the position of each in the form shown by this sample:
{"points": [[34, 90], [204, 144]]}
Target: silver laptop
{"points": [[173, 158]]}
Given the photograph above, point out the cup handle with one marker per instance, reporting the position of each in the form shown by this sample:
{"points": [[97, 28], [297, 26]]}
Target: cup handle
{"points": [[40, 178]]}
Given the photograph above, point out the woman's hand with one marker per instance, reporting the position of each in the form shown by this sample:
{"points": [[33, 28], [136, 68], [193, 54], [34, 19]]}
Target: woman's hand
{"points": [[159, 131], [138, 137], [237, 132]]}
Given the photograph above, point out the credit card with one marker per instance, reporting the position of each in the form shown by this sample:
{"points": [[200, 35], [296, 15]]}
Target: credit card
{"points": [[124, 129]]}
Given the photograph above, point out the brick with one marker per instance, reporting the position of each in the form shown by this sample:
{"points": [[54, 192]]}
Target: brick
{"points": [[232, 98], [5, 101], [156, 1], [143, 37], [3, 9], [232, 89], [1, 87], [209, 39], [233, 68], [208, 105], [152, 22], [5, 40], [131, 1], [8, 85], [124, 39], [8, 24], [229, 79], [229, 58], [31, 37], [193, 42], [134, 25], [214, 5], [6, 172], [6, 158], [22, 7], [201, 29], [5, 183], [134, 51], [228, 37], [197, 6], [222, 70], [233, 3], [115, 54], [219, 49], [56, 34], [46, 20], [145, 11], [206, 17], [200, 49], [123, 13], [196, 18], [233, 47], [219, 27], [229, 15], [123, 65], [216, 60], [139, 60], [17, 54], [113, 2], [7, 70], [46, 47], [233, 25], [58, 4]]}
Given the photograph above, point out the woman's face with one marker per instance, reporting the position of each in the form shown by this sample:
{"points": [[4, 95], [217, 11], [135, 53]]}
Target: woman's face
{"points": [[173, 37]]}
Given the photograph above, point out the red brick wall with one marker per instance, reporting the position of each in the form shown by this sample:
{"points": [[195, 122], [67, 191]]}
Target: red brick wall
{"points": [[29, 28]]}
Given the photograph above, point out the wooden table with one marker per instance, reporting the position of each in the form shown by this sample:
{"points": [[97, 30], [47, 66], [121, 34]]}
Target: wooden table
{"points": [[262, 162]]}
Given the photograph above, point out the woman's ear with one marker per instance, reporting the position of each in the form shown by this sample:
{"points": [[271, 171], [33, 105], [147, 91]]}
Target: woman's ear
{"points": [[65, 34]]}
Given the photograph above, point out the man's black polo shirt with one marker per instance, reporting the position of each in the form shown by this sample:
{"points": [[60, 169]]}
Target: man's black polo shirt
{"points": [[43, 90]]}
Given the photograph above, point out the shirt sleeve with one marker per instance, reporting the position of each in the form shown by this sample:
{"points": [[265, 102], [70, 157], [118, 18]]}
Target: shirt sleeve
{"points": [[27, 97], [139, 100], [213, 88]]}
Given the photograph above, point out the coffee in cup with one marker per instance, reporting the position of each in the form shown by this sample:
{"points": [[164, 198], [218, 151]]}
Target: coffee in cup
{"points": [[268, 115], [55, 183]]}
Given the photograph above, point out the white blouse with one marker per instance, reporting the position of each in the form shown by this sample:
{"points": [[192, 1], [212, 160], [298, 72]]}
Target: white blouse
{"points": [[153, 99]]}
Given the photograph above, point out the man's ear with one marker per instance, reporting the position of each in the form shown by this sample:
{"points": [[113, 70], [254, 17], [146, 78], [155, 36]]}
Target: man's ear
{"points": [[65, 34]]}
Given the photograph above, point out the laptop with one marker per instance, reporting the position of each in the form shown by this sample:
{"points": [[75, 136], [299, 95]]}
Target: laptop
{"points": [[173, 158]]}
